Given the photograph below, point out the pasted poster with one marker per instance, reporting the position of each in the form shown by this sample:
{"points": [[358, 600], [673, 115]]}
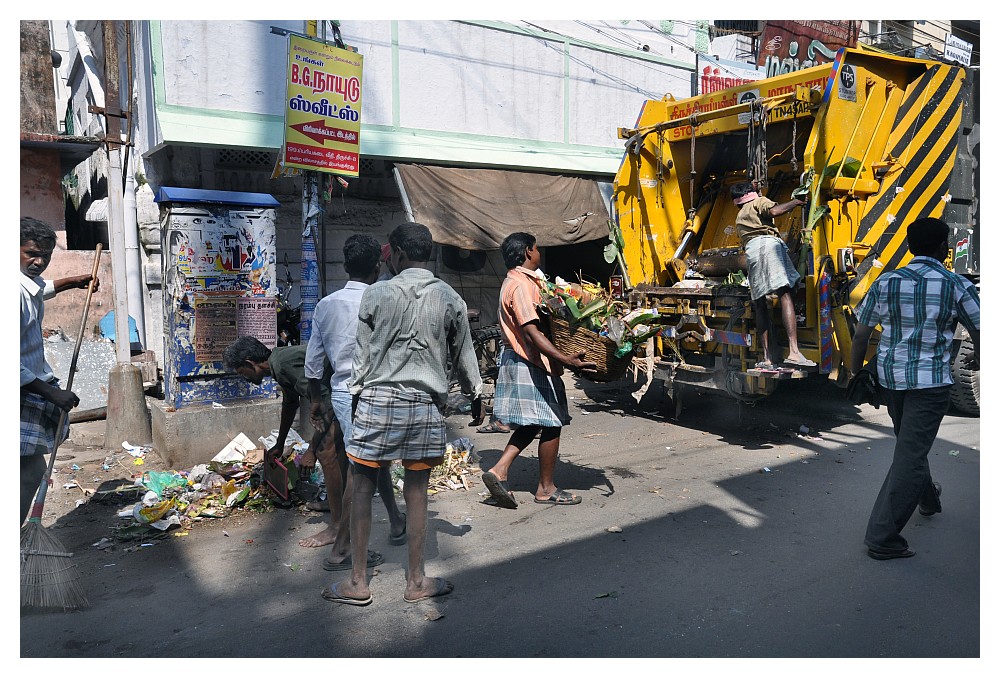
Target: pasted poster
{"points": [[225, 252], [215, 326], [220, 319], [787, 46], [322, 107], [258, 317]]}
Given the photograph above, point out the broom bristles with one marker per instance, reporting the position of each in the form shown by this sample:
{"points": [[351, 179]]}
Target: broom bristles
{"points": [[49, 579]]}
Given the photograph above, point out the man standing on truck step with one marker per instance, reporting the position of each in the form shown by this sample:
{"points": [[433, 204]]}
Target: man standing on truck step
{"points": [[918, 307], [530, 395], [769, 268]]}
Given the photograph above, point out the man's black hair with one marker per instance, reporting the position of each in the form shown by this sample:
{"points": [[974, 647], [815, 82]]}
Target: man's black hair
{"points": [[513, 248], [924, 236], [243, 349], [414, 239], [737, 191], [37, 230], [361, 255]]}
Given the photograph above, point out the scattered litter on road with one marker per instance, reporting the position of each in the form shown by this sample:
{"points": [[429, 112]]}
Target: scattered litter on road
{"points": [[218, 406], [225, 533], [103, 544], [596, 435], [584, 412], [138, 451], [953, 453], [614, 528], [804, 430], [765, 470], [735, 553], [460, 463], [75, 467], [432, 615], [609, 594]]}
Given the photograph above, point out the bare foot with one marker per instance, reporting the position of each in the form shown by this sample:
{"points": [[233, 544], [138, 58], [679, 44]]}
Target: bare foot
{"points": [[327, 536]]}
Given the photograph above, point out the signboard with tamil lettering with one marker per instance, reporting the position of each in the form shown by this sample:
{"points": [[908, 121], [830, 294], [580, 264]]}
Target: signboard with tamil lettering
{"points": [[958, 50], [322, 107], [718, 74]]}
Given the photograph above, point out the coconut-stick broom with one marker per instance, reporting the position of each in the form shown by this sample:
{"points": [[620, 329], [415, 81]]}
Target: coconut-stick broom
{"points": [[48, 578]]}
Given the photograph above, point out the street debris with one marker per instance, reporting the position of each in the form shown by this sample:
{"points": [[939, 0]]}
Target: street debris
{"points": [[614, 528], [765, 470], [953, 453], [461, 463], [609, 594], [432, 615]]}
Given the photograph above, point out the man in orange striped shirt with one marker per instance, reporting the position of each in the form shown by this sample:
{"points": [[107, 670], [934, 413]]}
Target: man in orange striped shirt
{"points": [[530, 395]]}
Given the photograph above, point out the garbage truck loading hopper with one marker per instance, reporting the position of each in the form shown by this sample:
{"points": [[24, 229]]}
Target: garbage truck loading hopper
{"points": [[869, 140]]}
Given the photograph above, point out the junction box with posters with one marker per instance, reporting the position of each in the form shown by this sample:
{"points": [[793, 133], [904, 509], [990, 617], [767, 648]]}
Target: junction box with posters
{"points": [[218, 284]]}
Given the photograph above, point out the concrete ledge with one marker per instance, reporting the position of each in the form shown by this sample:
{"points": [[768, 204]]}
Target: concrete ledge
{"points": [[193, 435]]}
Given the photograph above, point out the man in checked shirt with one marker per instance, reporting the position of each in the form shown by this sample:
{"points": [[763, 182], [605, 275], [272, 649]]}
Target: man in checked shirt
{"points": [[411, 329], [918, 307]]}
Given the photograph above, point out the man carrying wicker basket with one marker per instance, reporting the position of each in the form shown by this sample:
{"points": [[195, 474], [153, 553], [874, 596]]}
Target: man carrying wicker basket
{"points": [[530, 395]]}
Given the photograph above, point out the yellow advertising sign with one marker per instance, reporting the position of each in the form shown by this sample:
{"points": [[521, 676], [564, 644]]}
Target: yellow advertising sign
{"points": [[322, 107]]}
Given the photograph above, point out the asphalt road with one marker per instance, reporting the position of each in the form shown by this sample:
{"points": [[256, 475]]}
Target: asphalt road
{"points": [[726, 533]]}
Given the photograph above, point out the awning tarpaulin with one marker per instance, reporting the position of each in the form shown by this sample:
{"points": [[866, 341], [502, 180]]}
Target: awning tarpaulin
{"points": [[475, 209]]}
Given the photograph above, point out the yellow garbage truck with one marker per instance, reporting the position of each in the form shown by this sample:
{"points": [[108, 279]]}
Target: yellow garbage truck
{"points": [[870, 141]]}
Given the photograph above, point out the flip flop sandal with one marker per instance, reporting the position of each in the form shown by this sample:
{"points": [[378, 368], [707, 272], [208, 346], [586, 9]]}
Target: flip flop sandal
{"points": [[802, 363], [330, 593], [444, 587], [499, 491], [374, 558], [560, 498], [400, 538]]}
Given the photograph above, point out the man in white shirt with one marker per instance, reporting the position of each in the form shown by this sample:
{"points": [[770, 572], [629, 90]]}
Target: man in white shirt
{"points": [[42, 400], [334, 333]]}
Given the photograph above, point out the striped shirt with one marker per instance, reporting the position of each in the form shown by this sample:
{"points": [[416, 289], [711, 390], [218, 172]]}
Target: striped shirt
{"points": [[411, 329], [33, 363], [519, 296], [918, 307]]}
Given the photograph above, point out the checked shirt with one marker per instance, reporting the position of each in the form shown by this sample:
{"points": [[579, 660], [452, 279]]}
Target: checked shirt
{"points": [[918, 307]]}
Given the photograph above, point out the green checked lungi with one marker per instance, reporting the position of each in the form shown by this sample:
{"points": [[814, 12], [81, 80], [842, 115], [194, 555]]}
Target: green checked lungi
{"points": [[527, 395]]}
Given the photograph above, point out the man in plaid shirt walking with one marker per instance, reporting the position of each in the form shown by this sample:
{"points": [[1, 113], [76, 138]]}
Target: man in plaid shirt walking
{"points": [[918, 307]]}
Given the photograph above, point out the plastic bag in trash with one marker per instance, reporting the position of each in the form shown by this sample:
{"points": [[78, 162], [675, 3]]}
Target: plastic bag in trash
{"points": [[158, 481]]}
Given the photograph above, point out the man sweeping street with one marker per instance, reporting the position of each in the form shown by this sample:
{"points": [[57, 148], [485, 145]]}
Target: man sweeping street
{"points": [[42, 400]]}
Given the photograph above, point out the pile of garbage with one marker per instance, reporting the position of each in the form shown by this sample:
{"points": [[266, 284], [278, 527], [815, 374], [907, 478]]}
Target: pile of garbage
{"points": [[594, 308], [461, 463], [231, 481]]}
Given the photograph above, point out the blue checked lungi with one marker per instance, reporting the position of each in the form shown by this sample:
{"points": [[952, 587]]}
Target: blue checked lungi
{"points": [[39, 419], [527, 395], [393, 423], [768, 266]]}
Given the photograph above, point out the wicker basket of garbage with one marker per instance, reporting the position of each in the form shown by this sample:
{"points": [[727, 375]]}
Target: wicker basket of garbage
{"points": [[571, 339]]}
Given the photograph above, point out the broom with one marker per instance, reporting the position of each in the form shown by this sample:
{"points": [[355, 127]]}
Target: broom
{"points": [[48, 578]]}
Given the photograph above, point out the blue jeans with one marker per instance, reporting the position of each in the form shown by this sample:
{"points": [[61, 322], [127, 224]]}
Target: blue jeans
{"points": [[341, 401]]}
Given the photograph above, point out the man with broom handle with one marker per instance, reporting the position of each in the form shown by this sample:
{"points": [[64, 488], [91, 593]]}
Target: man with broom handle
{"points": [[42, 400]]}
